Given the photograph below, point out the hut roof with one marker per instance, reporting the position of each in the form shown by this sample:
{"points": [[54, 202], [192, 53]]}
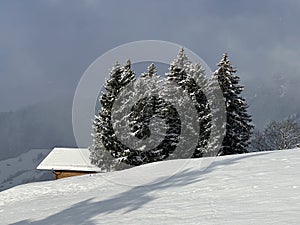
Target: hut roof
{"points": [[71, 159]]}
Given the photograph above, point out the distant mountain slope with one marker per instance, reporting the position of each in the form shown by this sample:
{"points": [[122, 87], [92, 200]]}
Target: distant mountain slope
{"points": [[22, 169], [254, 188], [43, 125]]}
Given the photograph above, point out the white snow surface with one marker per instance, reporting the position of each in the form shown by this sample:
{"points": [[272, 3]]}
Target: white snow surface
{"points": [[254, 188]]}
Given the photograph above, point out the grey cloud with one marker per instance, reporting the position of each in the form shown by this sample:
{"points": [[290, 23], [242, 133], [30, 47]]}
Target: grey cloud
{"points": [[46, 45]]}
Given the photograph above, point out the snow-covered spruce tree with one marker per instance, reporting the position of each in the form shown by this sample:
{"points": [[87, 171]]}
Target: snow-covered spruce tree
{"points": [[147, 103], [183, 72], [100, 157], [104, 138], [238, 121], [198, 94], [149, 115], [110, 151]]}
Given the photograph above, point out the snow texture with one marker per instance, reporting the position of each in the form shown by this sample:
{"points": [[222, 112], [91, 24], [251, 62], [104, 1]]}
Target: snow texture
{"points": [[253, 188]]}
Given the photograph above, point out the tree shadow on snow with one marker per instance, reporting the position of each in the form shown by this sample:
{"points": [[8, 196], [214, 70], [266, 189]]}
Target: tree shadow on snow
{"points": [[133, 199]]}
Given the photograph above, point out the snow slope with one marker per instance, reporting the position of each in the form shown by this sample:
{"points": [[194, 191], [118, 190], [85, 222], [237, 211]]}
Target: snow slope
{"points": [[22, 169], [256, 188]]}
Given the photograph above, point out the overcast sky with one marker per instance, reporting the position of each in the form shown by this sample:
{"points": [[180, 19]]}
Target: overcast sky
{"points": [[45, 46]]}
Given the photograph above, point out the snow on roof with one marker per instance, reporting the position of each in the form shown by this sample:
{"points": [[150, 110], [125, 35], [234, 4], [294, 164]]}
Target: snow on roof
{"points": [[72, 159]]}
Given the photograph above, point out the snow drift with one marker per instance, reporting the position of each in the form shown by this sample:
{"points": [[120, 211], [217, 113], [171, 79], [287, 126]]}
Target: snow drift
{"points": [[254, 188]]}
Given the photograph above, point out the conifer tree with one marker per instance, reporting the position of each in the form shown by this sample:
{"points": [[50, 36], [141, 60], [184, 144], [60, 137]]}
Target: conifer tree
{"points": [[104, 138], [109, 150], [150, 114], [238, 121], [191, 78]]}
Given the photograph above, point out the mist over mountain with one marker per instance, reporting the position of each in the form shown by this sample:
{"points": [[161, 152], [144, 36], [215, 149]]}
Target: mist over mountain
{"points": [[42, 125]]}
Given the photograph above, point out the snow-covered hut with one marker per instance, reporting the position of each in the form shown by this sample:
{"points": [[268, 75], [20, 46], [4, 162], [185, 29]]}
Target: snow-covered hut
{"points": [[67, 162]]}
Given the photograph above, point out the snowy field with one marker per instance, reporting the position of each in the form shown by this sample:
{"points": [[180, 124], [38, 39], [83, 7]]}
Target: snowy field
{"points": [[256, 188]]}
